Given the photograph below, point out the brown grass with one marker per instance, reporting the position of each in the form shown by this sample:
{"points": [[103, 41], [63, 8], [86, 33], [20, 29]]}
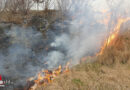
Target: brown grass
{"points": [[111, 71], [18, 18], [11, 18], [119, 51]]}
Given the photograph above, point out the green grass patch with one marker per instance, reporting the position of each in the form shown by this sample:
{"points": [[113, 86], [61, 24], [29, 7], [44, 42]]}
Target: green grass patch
{"points": [[77, 82]]}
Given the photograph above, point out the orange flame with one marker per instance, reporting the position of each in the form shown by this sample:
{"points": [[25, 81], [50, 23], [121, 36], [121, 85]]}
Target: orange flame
{"points": [[47, 76], [113, 34]]}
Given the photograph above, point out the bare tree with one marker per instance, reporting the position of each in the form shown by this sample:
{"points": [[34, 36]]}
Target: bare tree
{"points": [[11, 6], [15, 6], [37, 1], [46, 3], [1, 6], [24, 6], [64, 5]]}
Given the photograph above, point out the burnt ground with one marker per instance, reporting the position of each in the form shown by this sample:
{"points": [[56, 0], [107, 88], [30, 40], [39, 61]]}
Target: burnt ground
{"points": [[42, 45], [4, 40]]}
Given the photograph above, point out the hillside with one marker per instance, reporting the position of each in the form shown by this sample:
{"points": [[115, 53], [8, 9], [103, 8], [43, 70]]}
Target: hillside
{"points": [[111, 71]]}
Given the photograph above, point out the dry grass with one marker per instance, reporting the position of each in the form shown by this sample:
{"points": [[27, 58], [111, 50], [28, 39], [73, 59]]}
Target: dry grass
{"points": [[18, 18], [111, 71], [11, 18], [118, 52]]}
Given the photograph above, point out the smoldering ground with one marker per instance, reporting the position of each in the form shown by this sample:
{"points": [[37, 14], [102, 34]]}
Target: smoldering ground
{"points": [[28, 51]]}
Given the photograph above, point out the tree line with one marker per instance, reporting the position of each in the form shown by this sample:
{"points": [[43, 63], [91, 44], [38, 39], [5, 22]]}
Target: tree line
{"points": [[24, 6]]}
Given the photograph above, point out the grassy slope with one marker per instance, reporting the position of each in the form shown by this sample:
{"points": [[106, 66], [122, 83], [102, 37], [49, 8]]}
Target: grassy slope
{"points": [[111, 71]]}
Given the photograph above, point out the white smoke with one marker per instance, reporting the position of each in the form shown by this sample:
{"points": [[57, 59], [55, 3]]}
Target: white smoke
{"points": [[86, 32], [26, 54], [20, 60]]}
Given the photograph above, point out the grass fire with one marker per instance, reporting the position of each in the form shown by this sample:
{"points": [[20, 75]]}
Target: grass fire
{"points": [[112, 36], [64, 44], [49, 75]]}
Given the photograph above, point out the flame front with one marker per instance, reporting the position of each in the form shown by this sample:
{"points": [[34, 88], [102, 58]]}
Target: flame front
{"points": [[113, 34], [47, 76]]}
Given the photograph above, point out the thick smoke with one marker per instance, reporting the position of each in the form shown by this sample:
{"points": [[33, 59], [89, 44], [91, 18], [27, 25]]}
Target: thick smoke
{"points": [[20, 61], [29, 52], [85, 34], [90, 26]]}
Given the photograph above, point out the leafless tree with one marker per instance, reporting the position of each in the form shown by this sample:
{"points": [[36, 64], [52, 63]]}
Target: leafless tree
{"points": [[24, 6], [10, 5], [1, 6], [37, 1], [15, 6], [64, 5], [47, 4]]}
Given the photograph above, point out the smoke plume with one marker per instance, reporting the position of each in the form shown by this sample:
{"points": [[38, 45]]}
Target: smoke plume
{"points": [[29, 51]]}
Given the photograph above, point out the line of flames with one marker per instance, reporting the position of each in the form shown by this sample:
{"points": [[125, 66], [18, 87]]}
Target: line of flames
{"points": [[47, 76], [113, 34]]}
